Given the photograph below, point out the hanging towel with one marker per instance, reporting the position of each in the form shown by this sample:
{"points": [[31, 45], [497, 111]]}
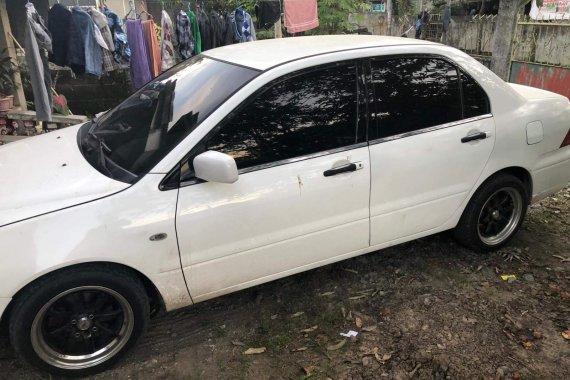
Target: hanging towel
{"points": [[37, 42], [166, 46], [195, 32], [140, 70], [184, 36], [151, 42], [59, 18], [300, 15], [267, 12]]}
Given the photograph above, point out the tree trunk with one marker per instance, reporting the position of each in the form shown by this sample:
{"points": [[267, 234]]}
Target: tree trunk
{"points": [[482, 10], [503, 37]]}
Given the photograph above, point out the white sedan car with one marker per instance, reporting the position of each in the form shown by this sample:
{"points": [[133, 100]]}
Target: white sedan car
{"points": [[253, 162]]}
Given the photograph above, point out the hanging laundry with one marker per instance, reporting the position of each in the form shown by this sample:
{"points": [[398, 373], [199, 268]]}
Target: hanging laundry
{"points": [[217, 26], [205, 33], [59, 18], [122, 53], [240, 27], [151, 42], [84, 54], [108, 45], [268, 12], [300, 15], [184, 36], [140, 70], [195, 32], [37, 41], [166, 46]]}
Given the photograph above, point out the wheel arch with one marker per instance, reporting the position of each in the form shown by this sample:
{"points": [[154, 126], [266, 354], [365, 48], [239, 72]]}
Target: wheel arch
{"points": [[155, 298], [519, 172]]}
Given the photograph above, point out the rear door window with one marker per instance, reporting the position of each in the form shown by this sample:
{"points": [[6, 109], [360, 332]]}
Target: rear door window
{"points": [[413, 93]]}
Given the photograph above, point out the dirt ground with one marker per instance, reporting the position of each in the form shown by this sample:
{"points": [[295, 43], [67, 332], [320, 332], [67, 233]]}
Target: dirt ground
{"points": [[428, 309]]}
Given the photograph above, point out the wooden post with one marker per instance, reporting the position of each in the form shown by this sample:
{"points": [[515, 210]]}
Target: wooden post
{"points": [[7, 42]]}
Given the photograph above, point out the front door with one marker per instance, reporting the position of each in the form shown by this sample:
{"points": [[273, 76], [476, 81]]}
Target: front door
{"points": [[433, 134], [302, 198]]}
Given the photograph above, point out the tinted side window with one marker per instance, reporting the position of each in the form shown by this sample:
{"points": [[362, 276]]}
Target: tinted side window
{"points": [[304, 114], [475, 100], [412, 94]]}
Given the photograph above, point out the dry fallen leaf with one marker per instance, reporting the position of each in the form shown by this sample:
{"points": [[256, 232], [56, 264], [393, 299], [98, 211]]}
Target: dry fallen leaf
{"points": [[479, 268], [254, 351], [565, 295], [310, 369], [369, 328], [469, 320], [297, 314], [358, 322], [537, 334], [326, 294], [299, 349], [358, 297], [566, 334], [485, 284], [441, 346], [237, 343], [310, 329], [527, 345], [381, 359], [516, 375], [334, 347]]}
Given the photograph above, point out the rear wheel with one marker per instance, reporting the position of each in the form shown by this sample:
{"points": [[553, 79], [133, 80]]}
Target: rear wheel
{"points": [[494, 214], [79, 321]]}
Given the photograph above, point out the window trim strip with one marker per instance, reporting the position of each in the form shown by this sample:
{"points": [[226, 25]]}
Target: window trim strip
{"points": [[429, 129], [287, 161]]}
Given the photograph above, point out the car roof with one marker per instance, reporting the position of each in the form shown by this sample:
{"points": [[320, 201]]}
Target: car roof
{"points": [[264, 54]]}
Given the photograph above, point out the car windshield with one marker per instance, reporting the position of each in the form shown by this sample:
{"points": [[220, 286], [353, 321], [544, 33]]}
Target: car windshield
{"points": [[128, 141]]}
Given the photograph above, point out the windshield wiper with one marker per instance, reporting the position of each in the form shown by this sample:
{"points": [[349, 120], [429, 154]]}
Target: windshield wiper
{"points": [[103, 151]]}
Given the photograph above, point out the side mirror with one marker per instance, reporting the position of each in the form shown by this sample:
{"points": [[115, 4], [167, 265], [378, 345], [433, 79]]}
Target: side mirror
{"points": [[214, 166]]}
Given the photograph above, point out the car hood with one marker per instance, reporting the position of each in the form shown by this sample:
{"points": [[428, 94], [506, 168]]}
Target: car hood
{"points": [[46, 173]]}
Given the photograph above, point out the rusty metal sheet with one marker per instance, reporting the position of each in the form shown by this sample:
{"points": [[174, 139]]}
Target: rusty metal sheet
{"points": [[555, 79]]}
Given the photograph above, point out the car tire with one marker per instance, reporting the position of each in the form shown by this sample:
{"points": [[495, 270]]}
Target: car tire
{"points": [[90, 314], [493, 215]]}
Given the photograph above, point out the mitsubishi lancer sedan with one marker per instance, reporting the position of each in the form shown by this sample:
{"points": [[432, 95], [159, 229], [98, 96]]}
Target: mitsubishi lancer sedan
{"points": [[253, 162]]}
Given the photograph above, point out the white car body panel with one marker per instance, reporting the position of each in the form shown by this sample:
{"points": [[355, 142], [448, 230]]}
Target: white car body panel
{"points": [[327, 216], [48, 173], [113, 229], [420, 181], [54, 216]]}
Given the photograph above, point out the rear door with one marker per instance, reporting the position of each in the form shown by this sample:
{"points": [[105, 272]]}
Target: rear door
{"points": [[431, 136], [302, 198]]}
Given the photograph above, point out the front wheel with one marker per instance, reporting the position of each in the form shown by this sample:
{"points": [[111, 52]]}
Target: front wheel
{"points": [[79, 321], [494, 214]]}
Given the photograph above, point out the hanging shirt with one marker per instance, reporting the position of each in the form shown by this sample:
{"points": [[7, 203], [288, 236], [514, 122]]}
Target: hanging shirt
{"points": [[84, 54], [37, 42], [195, 32], [300, 15], [122, 53], [268, 12], [151, 42], [140, 69], [184, 36], [59, 18], [205, 31], [241, 26], [166, 46]]}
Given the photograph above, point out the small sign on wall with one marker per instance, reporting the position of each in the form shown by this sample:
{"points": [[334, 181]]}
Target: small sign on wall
{"points": [[378, 6]]}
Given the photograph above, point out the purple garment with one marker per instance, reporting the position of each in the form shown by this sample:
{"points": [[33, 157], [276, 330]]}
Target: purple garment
{"points": [[140, 70]]}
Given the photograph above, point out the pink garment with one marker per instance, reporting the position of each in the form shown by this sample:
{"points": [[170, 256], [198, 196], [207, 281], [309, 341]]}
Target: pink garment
{"points": [[300, 15]]}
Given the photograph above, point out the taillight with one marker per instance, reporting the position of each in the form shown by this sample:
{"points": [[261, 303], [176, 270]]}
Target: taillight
{"points": [[566, 140]]}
